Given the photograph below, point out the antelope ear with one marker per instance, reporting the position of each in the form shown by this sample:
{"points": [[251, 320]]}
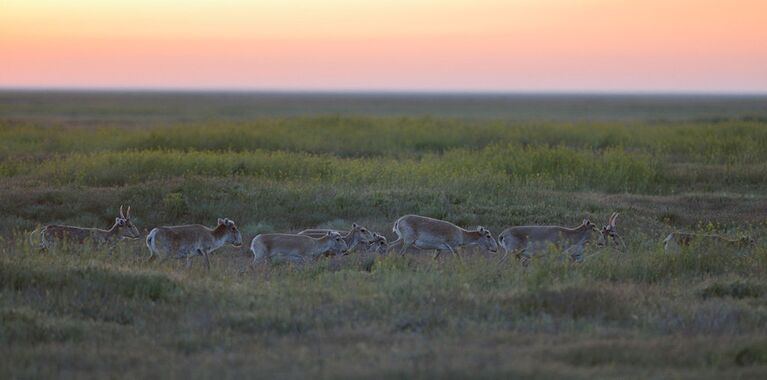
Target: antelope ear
{"points": [[330, 233], [354, 226], [221, 221]]}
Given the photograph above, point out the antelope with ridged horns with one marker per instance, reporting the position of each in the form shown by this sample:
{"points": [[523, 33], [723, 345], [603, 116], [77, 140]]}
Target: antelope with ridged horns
{"points": [[525, 241], [609, 231], [427, 233], [191, 240], [123, 228], [357, 235], [295, 247], [677, 240]]}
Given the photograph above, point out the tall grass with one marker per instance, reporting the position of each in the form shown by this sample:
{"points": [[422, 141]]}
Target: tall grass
{"points": [[734, 142], [80, 312], [555, 168]]}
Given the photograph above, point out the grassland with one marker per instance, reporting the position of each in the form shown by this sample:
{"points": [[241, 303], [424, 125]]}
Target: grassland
{"points": [[632, 314]]}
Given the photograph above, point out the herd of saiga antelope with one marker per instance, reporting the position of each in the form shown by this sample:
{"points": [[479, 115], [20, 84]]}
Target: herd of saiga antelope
{"points": [[416, 231]]}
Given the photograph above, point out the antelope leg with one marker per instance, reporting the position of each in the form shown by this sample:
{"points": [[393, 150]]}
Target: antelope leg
{"points": [[449, 248], [207, 260]]}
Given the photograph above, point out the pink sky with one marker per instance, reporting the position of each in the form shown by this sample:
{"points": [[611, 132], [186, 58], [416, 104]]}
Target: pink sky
{"points": [[479, 45]]}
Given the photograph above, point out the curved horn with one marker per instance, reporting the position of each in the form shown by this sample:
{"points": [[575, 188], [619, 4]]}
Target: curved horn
{"points": [[615, 216], [121, 212], [127, 214]]}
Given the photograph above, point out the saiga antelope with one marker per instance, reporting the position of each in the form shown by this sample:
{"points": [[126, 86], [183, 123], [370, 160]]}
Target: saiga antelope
{"points": [[525, 241], [356, 235], [428, 233], [296, 247], [122, 229], [610, 231], [191, 240]]}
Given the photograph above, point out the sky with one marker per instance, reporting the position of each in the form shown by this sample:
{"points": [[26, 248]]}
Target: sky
{"points": [[394, 45]]}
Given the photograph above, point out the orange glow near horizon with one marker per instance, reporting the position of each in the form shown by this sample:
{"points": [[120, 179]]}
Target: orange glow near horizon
{"points": [[481, 45]]}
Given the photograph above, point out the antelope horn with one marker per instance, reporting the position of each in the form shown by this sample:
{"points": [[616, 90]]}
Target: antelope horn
{"points": [[615, 216], [127, 214], [121, 212]]}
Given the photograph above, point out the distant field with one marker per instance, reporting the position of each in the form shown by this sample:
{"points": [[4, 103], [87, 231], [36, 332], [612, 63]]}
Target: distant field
{"points": [[142, 108], [285, 162]]}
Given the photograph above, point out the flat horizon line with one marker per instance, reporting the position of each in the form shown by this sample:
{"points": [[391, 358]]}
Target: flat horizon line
{"points": [[448, 92]]}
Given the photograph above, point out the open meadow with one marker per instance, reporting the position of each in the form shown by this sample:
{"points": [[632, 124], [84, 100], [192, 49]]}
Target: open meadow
{"points": [[287, 162]]}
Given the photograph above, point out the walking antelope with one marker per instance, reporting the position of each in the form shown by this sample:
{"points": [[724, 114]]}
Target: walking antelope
{"points": [[296, 247], [427, 233], [358, 234], [610, 231], [191, 240], [526, 240], [675, 240], [378, 245], [122, 229]]}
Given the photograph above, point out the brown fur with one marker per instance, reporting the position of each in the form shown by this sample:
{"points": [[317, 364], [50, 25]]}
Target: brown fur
{"points": [[526, 240], [191, 240], [296, 247], [122, 229], [428, 233], [356, 235]]}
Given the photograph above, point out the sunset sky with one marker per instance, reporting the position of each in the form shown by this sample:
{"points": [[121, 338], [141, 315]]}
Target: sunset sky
{"points": [[421, 45]]}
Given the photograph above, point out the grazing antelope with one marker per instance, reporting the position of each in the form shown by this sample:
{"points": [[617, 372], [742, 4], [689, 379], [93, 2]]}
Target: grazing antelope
{"points": [[358, 234], [675, 240], [296, 247], [122, 229], [378, 245], [526, 240], [427, 233], [191, 240], [610, 231]]}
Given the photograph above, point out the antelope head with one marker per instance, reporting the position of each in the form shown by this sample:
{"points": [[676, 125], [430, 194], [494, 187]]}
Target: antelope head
{"points": [[363, 234], [610, 231], [338, 244], [232, 235], [378, 245], [588, 225], [125, 228], [486, 239]]}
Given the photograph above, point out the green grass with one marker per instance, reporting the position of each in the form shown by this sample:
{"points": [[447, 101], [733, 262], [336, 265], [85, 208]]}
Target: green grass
{"points": [[640, 313]]}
